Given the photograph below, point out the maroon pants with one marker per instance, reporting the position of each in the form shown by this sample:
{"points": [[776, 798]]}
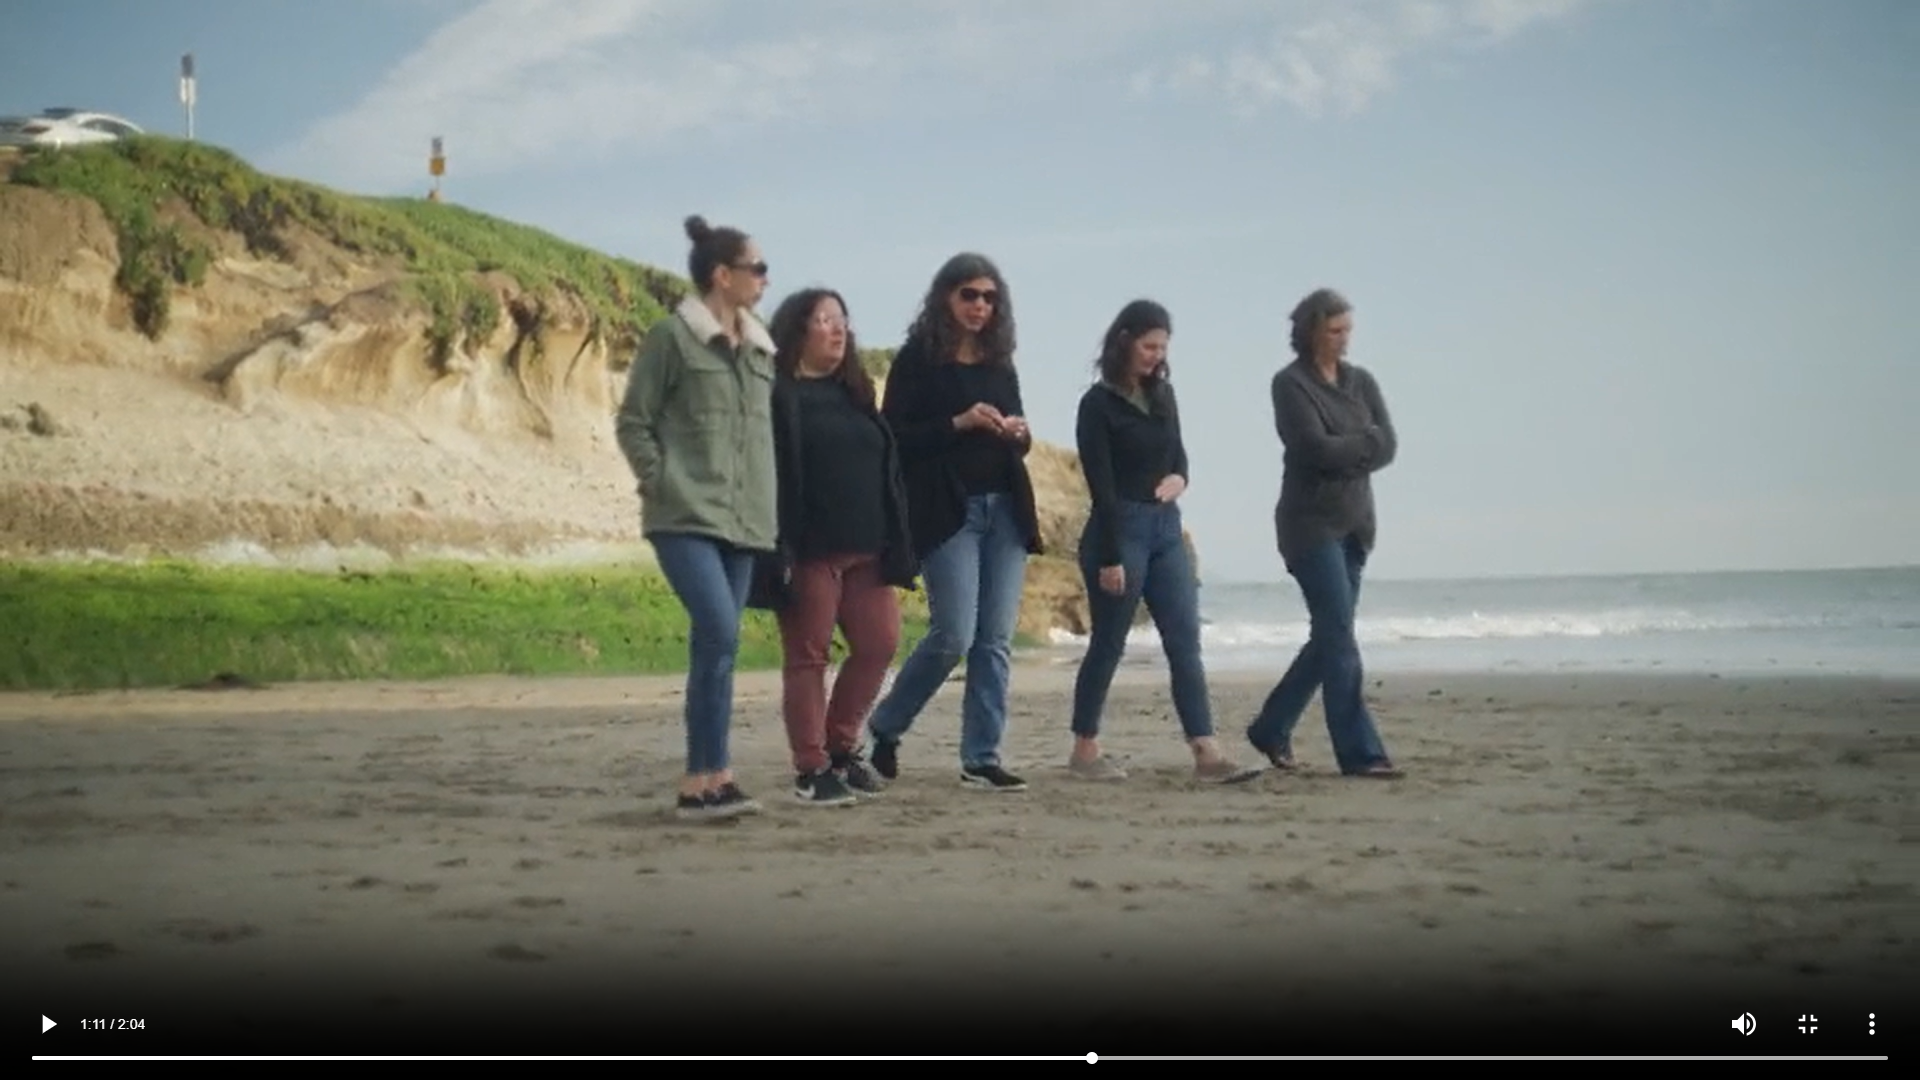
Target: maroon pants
{"points": [[843, 591]]}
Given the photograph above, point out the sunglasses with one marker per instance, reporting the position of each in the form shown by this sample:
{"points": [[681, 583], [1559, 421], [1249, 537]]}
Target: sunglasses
{"points": [[974, 296], [758, 269]]}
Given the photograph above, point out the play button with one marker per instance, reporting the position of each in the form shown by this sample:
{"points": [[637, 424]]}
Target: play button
{"points": [[44, 1024]]}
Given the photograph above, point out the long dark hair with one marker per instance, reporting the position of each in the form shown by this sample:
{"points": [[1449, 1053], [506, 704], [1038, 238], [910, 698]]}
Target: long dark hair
{"points": [[1136, 320], [935, 328], [789, 331]]}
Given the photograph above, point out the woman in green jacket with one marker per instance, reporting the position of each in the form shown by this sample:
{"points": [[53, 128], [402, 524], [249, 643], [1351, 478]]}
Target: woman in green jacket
{"points": [[696, 427]]}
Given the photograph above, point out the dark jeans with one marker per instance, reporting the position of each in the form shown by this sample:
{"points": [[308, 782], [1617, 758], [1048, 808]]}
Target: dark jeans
{"points": [[711, 579], [1159, 571], [1329, 578]]}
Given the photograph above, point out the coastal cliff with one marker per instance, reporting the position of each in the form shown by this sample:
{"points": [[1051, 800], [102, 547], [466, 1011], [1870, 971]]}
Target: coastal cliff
{"points": [[198, 360]]}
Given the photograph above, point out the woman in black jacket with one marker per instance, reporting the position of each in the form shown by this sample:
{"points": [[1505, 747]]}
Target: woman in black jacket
{"points": [[953, 400], [843, 544], [1133, 547]]}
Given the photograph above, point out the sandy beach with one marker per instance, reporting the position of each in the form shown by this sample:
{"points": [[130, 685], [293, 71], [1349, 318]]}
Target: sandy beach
{"points": [[1562, 845]]}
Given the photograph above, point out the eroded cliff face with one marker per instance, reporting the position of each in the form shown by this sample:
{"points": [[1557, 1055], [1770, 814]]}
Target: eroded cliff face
{"points": [[302, 401], [288, 403]]}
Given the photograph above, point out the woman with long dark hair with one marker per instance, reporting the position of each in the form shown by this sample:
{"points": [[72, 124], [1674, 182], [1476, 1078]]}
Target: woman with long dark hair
{"points": [[1133, 547], [843, 546], [953, 401], [1336, 434], [696, 427]]}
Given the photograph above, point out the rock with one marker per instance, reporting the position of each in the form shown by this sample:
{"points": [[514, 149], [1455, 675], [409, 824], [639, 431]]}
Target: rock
{"points": [[41, 422]]}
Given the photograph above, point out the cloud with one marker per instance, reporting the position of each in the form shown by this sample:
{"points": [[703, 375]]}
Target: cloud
{"points": [[506, 82], [511, 80], [1339, 57]]}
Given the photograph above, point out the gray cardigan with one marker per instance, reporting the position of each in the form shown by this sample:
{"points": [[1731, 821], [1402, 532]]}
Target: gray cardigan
{"points": [[1335, 437]]}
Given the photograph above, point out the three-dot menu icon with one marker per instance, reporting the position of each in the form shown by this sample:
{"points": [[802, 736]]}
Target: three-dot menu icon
{"points": [[1869, 1023]]}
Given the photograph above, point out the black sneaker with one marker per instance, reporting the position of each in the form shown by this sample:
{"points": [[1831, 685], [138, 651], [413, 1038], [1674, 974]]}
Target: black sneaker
{"points": [[991, 778], [730, 802], [886, 758], [693, 808], [856, 775], [823, 788]]}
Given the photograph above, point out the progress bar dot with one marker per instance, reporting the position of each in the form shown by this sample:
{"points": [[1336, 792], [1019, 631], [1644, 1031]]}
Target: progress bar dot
{"points": [[1091, 1058]]}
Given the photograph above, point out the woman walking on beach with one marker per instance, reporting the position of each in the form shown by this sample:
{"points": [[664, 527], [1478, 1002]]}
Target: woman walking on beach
{"points": [[953, 400], [696, 427], [843, 544], [1336, 434], [1133, 546]]}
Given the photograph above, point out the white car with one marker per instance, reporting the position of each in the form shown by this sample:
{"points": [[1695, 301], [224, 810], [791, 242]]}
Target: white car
{"points": [[65, 127]]}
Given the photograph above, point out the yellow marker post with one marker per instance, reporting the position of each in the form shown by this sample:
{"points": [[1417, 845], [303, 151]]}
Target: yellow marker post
{"points": [[436, 167]]}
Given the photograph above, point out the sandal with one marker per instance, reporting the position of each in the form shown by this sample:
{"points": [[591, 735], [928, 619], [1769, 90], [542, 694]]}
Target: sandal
{"points": [[1102, 769], [1225, 772], [1281, 762], [1379, 770]]}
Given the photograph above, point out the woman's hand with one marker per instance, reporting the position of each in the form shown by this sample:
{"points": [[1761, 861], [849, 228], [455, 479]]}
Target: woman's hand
{"points": [[1113, 579], [982, 415], [1015, 428], [1170, 488]]}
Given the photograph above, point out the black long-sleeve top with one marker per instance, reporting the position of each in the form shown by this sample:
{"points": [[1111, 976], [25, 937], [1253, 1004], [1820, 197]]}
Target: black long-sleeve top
{"points": [[839, 487], [942, 466], [846, 469], [1336, 436], [1127, 447]]}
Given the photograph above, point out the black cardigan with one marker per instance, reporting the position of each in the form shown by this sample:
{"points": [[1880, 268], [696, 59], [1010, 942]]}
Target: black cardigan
{"points": [[773, 572], [921, 402]]}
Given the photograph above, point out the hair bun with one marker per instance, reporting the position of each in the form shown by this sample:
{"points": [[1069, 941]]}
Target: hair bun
{"points": [[698, 229]]}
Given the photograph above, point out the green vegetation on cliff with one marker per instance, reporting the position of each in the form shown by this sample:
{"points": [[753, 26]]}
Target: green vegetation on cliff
{"points": [[89, 626], [142, 184]]}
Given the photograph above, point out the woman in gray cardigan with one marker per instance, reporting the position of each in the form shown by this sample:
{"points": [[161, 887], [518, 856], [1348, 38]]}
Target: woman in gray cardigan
{"points": [[1336, 431]]}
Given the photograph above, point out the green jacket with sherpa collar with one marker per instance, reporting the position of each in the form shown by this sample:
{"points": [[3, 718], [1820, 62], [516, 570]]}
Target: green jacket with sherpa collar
{"points": [[696, 426]]}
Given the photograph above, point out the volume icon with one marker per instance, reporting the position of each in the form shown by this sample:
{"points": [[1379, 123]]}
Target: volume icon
{"points": [[1744, 1023]]}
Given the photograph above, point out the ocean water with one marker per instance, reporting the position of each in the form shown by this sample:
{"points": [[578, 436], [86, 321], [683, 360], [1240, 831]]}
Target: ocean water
{"points": [[1835, 622]]}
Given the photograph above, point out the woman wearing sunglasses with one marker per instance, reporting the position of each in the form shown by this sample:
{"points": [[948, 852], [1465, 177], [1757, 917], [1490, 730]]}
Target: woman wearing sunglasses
{"points": [[696, 426], [953, 402], [843, 544]]}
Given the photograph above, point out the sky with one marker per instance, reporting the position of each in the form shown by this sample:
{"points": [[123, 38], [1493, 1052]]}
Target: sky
{"points": [[1639, 279]]}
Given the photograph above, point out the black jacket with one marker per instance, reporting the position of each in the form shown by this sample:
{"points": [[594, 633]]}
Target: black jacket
{"points": [[772, 573], [1125, 452], [921, 401]]}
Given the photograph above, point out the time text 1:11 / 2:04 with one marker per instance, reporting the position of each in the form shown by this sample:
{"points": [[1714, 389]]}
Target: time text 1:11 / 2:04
{"points": [[113, 1025]]}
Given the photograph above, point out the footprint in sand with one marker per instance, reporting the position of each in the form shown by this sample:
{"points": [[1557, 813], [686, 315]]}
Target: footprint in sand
{"points": [[209, 932], [515, 953]]}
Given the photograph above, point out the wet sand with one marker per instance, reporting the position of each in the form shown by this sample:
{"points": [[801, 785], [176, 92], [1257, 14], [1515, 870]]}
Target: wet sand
{"points": [[380, 851]]}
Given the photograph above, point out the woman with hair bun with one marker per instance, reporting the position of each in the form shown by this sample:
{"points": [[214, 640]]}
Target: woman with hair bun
{"points": [[696, 427]]}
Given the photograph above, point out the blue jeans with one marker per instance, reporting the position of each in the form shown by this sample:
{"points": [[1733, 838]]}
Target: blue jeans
{"points": [[973, 584], [1159, 571], [711, 579], [1329, 578]]}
